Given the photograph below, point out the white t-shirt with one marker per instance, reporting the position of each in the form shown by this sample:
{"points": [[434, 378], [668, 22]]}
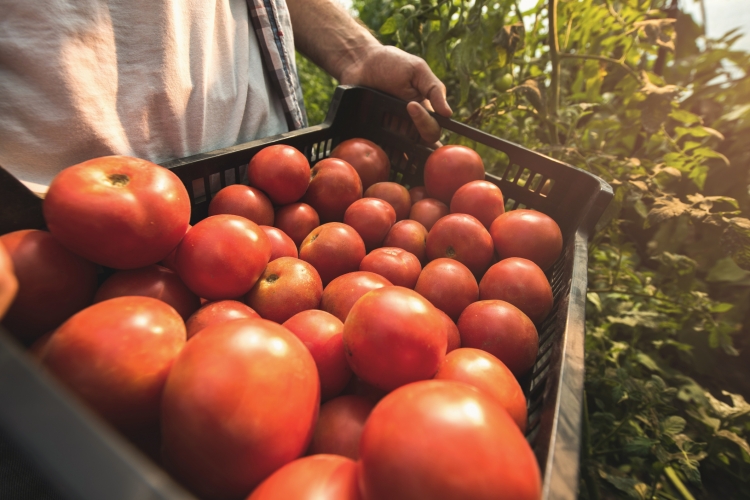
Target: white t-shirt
{"points": [[155, 79]]}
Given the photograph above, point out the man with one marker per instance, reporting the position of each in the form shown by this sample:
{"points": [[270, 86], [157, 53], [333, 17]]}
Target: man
{"points": [[168, 79]]}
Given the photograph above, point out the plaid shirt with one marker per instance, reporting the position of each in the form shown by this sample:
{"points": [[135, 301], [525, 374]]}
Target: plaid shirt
{"points": [[273, 27]]}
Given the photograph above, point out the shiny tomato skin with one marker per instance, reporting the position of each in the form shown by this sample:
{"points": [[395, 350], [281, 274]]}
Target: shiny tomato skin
{"points": [[340, 294], [448, 285], [281, 244], [213, 313], [339, 426], [323, 335], [333, 249], [240, 401], [151, 281], [280, 171], [245, 201], [367, 158], [398, 266], [428, 211], [409, 235], [520, 282], [527, 234], [372, 218], [395, 194], [450, 167], [297, 220], [417, 193], [445, 440], [503, 330], [454, 337], [463, 238], [487, 373], [116, 356], [334, 185], [394, 336], [170, 261], [481, 199], [53, 283], [222, 257], [118, 211], [318, 477]]}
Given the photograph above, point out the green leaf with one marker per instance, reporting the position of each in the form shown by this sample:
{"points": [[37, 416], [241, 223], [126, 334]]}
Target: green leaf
{"points": [[392, 24], [594, 299], [726, 270], [673, 425], [684, 116], [647, 361], [665, 208], [721, 307]]}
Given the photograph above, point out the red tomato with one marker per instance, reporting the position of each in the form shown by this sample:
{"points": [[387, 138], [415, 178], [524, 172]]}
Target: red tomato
{"points": [[394, 336], [358, 387], [170, 261], [367, 158], [280, 171], [445, 440], [520, 282], [340, 294], [116, 356], [481, 199], [488, 374], [450, 167], [464, 238], [317, 477], [322, 333], [222, 256], [395, 194], [502, 330], [417, 193], [398, 266], [286, 287], [372, 218], [448, 285], [118, 211], [340, 426], [53, 283], [281, 244], [214, 313], [151, 281], [527, 234], [297, 220], [245, 201], [333, 249], [334, 185], [240, 401], [428, 211], [454, 337], [409, 235]]}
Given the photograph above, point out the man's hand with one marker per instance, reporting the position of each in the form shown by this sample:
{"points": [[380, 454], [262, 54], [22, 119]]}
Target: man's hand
{"points": [[333, 40], [8, 282]]}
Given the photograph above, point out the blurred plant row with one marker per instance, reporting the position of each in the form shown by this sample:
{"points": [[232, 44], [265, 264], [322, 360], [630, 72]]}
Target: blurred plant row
{"points": [[634, 92]]}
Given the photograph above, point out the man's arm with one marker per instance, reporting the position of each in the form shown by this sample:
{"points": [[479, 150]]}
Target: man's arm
{"points": [[333, 40]]}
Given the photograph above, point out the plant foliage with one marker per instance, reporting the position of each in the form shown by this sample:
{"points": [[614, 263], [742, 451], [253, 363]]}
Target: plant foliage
{"points": [[636, 94]]}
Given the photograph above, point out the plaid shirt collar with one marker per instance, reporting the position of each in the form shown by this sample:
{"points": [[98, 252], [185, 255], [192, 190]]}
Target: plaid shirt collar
{"points": [[273, 27]]}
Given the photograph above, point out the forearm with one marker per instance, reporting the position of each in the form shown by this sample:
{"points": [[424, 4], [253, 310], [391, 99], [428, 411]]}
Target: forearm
{"points": [[328, 35]]}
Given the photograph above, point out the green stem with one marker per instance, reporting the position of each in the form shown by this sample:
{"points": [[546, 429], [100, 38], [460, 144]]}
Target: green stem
{"points": [[554, 54], [627, 68], [672, 475]]}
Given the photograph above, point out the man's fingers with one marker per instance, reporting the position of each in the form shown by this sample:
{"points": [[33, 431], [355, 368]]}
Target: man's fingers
{"points": [[8, 282], [427, 126], [431, 88]]}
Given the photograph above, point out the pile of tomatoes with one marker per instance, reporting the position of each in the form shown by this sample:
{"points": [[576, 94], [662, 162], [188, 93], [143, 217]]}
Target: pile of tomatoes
{"points": [[408, 313]]}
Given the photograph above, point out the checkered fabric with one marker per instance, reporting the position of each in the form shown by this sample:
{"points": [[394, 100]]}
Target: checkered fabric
{"points": [[273, 27]]}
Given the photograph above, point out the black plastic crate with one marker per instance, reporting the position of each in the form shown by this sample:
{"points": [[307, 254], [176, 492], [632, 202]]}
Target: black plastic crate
{"points": [[554, 388]]}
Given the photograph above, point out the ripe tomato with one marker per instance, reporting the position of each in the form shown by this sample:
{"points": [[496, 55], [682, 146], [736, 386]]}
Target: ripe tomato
{"points": [[53, 283], [317, 477], [487, 373], [417, 193], [372, 218], [340, 426], [445, 440], [527, 234], [281, 244], [409, 235], [340, 294], [240, 401], [151, 281], [367, 158], [214, 313], [322, 333], [464, 238], [297, 220], [520, 282], [481, 199], [395, 194], [448, 285], [428, 211], [398, 266], [245, 201], [118, 211], [116, 356], [280, 171], [333, 249], [222, 256], [334, 185], [394, 336], [450, 167]]}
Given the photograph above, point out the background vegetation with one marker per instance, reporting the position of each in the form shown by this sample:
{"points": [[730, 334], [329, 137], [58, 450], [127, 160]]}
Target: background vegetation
{"points": [[632, 91]]}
